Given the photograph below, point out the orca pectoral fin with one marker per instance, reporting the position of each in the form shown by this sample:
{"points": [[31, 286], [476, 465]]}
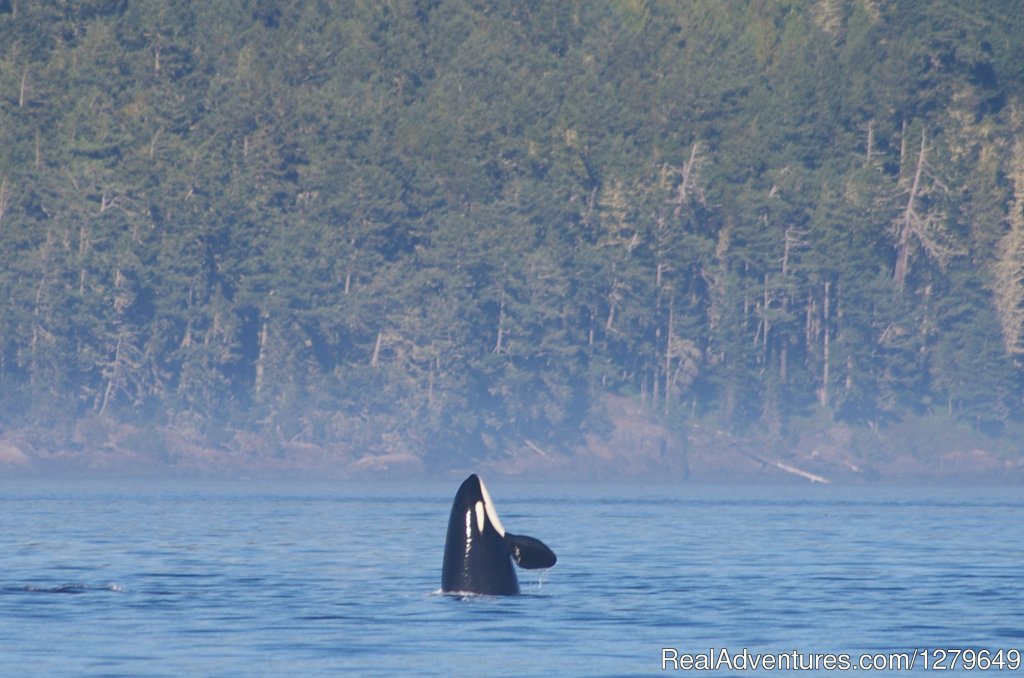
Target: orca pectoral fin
{"points": [[530, 553]]}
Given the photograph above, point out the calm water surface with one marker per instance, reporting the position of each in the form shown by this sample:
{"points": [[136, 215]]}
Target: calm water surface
{"points": [[237, 578]]}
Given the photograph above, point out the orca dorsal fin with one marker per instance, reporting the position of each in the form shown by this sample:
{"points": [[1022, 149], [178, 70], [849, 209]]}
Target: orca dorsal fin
{"points": [[530, 553]]}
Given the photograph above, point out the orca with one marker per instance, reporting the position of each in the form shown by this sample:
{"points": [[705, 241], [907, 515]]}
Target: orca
{"points": [[478, 552]]}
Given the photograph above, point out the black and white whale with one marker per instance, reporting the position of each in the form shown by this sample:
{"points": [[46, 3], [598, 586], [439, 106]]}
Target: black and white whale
{"points": [[478, 552]]}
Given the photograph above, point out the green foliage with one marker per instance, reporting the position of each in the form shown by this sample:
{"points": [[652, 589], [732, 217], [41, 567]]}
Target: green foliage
{"points": [[448, 228]]}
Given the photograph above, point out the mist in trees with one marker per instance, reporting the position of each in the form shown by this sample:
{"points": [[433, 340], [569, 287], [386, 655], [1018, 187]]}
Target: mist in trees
{"points": [[452, 228]]}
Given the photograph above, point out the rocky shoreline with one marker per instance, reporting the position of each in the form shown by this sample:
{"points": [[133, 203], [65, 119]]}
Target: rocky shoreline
{"points": [[639, 447]]}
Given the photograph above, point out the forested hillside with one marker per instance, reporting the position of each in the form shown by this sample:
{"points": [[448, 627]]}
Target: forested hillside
{"points": [[451, 229]]}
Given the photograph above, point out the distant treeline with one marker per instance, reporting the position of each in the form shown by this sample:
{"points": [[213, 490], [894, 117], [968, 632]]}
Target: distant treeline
{"points": [[448, 227]]}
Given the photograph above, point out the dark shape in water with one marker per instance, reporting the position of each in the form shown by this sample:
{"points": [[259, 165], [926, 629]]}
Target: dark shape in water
{"points": [[478, 552]]}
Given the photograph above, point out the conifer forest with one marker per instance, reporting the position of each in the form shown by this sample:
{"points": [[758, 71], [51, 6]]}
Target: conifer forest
{"points": [[461, 230]]}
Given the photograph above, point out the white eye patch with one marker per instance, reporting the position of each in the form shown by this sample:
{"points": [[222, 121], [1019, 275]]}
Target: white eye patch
{"points": [[479, 508], [492, 513]]}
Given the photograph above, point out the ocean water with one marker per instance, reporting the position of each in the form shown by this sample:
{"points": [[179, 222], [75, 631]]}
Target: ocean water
{"points": [[316, 579]]}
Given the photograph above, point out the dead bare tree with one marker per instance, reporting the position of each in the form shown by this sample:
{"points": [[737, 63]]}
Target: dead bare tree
{"points": [[5, 197], [1009, 267], [919, 222], [689, 180]]}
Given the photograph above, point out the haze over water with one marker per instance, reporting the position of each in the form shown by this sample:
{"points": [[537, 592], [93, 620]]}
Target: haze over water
{"points": [[242, 578]]}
